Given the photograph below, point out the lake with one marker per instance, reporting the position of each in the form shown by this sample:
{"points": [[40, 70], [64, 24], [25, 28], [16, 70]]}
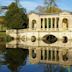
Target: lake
{"points": [[17, 60]]}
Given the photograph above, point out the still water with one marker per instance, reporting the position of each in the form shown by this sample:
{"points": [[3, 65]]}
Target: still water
{"points": [[17, 60]]}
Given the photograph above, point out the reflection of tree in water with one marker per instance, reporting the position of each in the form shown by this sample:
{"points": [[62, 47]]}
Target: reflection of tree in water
{"points": [[63, 69], [2, 42], [2, 47], [55, 68], [15, 58]]}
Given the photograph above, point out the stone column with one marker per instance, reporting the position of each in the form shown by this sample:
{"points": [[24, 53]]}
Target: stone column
{"points": [[30, 25], [38, 25], [51, 23], [43, 24], [55, 55], [47, 24], [43, 53], [55, 24], [51, 54], [47, 53], [60, 24], [60, 56]]}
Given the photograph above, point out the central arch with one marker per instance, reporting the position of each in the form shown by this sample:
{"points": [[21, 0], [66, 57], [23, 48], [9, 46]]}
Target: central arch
{"points": [[49, 39]]}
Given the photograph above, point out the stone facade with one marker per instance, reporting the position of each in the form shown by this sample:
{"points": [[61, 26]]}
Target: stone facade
{"points": [[52, 22], [48, 38]]}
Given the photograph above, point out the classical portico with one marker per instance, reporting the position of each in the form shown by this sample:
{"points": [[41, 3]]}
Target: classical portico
{"points": [[52, 22]]}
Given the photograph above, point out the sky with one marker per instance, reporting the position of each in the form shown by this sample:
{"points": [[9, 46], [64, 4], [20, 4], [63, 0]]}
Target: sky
{"points": [[32, 4]]}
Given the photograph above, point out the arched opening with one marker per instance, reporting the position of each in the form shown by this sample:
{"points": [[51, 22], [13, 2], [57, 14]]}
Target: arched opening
{"points": [[65, 23], [33, 38], [33, 24], [65, 55], [49, 39], [65, 39], [33, 54]]}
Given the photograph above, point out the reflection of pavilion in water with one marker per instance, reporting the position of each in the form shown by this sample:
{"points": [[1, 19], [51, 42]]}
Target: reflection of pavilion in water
{"points": [[48, 38]]}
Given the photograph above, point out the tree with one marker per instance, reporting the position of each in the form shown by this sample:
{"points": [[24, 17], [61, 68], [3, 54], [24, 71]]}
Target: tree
{"points": [[50, 6], [40, 9], [50, 3], [16, 18], [53, 10]]}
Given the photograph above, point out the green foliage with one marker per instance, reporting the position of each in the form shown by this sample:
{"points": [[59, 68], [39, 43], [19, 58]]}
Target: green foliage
{"points": [[16, 18], [8, 38], [5, 38], [49, 7], [53, 10], [2, 37], [2, 41]]}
